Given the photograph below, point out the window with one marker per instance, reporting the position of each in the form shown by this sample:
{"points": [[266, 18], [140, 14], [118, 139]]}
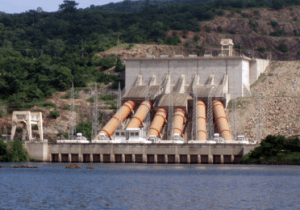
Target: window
{"points": [[136, 133], [131, 134], [117, 134], [122, 134]]}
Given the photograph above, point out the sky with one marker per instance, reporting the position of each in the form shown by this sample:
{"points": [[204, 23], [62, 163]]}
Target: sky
{"points": [[19, 6]]}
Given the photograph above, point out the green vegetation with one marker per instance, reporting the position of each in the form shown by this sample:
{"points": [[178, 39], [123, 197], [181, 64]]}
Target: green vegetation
{"points": [[283, 48], [85, 128], [275, 150], [54, 114], [12, 151], [262, 49]]}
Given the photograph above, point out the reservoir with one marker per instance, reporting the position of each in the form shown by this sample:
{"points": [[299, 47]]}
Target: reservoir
{"points": [[149, 186]]}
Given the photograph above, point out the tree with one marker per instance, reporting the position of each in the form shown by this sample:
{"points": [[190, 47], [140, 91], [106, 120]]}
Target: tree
{"points": [[68, 6], [277, 4]]}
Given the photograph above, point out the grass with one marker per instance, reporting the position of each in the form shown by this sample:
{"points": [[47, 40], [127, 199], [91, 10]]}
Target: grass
{"points": [[261, 79]]}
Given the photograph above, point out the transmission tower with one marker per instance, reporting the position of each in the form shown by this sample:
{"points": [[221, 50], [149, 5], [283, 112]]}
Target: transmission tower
{"points": [[95, 128], [72, 122], [170, 116], [147, 119], [119, 103], [195, 114], [260, 122], [210, 122]]}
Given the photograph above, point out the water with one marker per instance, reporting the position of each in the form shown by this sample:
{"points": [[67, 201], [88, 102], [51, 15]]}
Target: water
{"points": [[138, 186]]}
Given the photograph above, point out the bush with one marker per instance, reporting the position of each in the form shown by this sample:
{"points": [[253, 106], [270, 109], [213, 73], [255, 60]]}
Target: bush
{"points": [[196, 37], [208, 28], [90, 99], [219, 29], [262, 49], [66, 107], [48, 104], [232, 32], [17, 153], [298, 52], [173, 40], [274, 23], [2, 114], [85, 128], [54, 114], [107, 97], [283, 48], [34, 127], [244, 15], [64, 134], [277, 33], [67, 95]]}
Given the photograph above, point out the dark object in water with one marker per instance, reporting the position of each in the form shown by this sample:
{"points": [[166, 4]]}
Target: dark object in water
{"points": [[25, 167], [90, 167], [1, 166], [72, 166]]}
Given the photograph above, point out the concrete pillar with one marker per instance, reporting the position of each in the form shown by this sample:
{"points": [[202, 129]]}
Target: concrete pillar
{"points": [[91, 158], [166, 159], [101, 158], [199, 159], [112, 158], [155, 159], [80, 158], [69, 158], [232, 159], [222, 159], [210, 159], [123, 158], [59, 157], [144, 158], [133, 158], [189, 159], [177, 159]]}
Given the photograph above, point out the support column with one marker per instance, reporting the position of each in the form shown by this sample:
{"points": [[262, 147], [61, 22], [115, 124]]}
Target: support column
{"points": [[155, 159], [80, 158], [69, 158], [101, 158], [133, 158], [222, 159], [199, 159], [123, 158], [144, 158], [166, 159], [210, 159], [177, 159], [59, 157], [91, 158], [232, 159], [189, 159], [112, 158]]}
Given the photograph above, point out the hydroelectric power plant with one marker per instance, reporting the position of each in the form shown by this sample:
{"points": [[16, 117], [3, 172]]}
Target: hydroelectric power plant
{"points": [[172, 111]]}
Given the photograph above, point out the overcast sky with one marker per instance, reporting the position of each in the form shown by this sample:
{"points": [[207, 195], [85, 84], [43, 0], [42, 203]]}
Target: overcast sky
{"points": [[18, 6]]}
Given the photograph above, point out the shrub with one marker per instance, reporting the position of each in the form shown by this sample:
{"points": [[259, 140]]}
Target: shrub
{"points": [[107, 97], [298, 52], [17, 153], [244, 15], [232, 32], [219, 29], [54, 114], [283, 48], [66, 107], [256, 12], [173, 40], [2, 114], [67, 95], [220, 12], [208, 28], [48, 104], [64, 134], [90, 99], [262, 49], [274, 23], [34, 127], [85, 128], [196, 37], [277, 33]]}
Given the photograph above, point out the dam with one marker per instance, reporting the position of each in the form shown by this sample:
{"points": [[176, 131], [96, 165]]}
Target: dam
{"points": [[173, 110]]}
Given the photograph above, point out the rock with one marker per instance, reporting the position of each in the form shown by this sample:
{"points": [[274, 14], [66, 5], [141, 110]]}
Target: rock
{"points": [[73, 166], [25, 167], [1, 166], [90, 167]]}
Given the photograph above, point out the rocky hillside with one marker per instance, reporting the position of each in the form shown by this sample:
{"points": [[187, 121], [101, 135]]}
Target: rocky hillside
{"points": [[280, 104]]}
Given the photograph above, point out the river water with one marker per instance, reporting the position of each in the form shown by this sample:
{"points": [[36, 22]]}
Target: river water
{"points": [[141, 186]]}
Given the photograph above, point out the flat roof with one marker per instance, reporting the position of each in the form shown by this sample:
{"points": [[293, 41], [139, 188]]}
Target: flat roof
{"points": [[191, 58]]}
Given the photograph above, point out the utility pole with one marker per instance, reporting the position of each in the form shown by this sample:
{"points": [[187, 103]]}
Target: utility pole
{"points": [[72, 122], [95, 126]]}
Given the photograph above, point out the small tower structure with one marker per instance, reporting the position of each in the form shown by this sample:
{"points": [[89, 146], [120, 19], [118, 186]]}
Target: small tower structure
{"points": [[226, 47], [29, 119]]}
